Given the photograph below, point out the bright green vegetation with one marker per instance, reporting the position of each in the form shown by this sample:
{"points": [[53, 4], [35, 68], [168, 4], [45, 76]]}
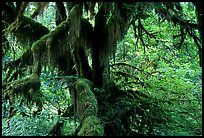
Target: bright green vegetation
{"points": [[170, 76]]}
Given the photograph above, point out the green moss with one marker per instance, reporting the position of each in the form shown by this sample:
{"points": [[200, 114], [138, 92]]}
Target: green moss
{"points": [[91, 127], [38, 45], [30, 30], [88, 82], [68, 127], [50, 45], [86, 101]]}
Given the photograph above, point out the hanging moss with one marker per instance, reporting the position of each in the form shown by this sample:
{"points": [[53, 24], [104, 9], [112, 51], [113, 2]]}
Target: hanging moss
{"points": [[27, 28], [57, 49], [74, 22], [28, 88], [112, 34], [47, 43]]}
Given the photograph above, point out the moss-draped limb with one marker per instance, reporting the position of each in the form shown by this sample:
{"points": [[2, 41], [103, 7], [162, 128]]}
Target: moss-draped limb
{"points": [[26, 29], [28, 87], [31, 84], [47, 42], [49, 37]]}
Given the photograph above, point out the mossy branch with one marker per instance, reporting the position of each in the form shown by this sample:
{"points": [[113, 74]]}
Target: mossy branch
{"points": [[47, 41]]}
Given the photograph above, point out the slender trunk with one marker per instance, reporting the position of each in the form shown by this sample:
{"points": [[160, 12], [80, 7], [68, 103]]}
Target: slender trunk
{"points": [[198, 6]]}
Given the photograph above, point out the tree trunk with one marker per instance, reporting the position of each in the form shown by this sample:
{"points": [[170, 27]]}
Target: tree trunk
{"points": [[198, 6], [101, 40]]}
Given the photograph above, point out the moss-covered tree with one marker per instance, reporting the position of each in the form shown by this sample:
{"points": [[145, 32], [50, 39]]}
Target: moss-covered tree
{"points": [[70, 44]]}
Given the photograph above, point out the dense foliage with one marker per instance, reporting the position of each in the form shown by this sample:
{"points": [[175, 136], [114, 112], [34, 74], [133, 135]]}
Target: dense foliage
{"points": [[162, 81]]}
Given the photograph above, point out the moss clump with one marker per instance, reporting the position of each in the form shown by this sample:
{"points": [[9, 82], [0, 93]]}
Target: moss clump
{"points": [[91, 127], [29, 30], [86, 101]]}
